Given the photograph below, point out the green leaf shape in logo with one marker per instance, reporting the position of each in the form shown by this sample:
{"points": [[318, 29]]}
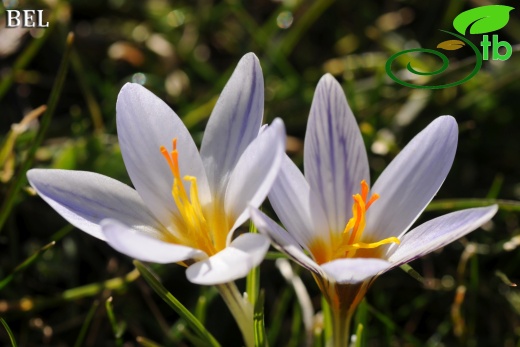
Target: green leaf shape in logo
{"points": [[482, 19]]}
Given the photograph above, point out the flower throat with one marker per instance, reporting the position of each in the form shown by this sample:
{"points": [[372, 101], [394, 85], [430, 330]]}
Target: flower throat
{"points": [[347, 244]]}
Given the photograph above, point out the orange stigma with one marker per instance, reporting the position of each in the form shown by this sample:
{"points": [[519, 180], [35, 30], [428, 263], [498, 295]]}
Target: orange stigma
{"points": [[192, 228], [346, 244]]}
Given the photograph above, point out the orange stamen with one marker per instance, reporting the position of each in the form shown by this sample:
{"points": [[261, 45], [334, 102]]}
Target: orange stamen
{"points": [[193, 229], [372, 200], [346, 246], [364, 190]]}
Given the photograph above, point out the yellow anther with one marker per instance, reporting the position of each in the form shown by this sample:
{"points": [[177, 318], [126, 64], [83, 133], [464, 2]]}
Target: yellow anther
{"points": [[349, 242], [194, 230], [359, 245]]}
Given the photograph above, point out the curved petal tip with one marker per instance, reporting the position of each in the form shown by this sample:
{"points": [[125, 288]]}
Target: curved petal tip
{"points": [[232, 263]]}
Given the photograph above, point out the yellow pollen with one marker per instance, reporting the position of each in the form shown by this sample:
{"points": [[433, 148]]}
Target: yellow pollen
{"points": [[348, 243], [194, 230]]}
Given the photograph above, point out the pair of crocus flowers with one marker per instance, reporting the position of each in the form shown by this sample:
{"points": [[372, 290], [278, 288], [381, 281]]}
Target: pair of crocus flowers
{"points": [[186, 205]]}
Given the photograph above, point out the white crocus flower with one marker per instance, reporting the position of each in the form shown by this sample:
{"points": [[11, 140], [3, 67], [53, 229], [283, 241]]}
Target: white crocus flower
{"points": [[186, 205], [339, 230]]}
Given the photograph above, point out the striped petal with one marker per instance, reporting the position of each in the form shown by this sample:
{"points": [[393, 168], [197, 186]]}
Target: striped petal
{"points": [[412, 179], [144, 124], [335, 156], [297, 206], [255, 172], [84, 199], [439, 232], [234, 123], [143, 247]]}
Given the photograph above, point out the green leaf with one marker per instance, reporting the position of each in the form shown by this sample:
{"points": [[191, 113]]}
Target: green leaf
{"points": [[9, 332], [483, 19], [182, 311]]}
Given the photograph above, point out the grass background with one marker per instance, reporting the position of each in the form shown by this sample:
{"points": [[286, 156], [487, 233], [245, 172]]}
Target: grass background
{"points": [[184, 51]]}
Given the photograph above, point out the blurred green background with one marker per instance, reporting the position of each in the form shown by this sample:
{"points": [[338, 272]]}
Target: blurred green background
{"points": [[184, 51]]}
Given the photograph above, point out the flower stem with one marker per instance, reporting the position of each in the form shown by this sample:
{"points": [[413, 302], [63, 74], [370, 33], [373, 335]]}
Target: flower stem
{"points": [[341, 327], [241, 310]]}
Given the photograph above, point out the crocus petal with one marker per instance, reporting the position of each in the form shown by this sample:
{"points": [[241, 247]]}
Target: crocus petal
{"points": [[335, 156], [283, 241], [439, 232], [296, 205], [412, 179], [255, 173], [139, 246], [234, 122], [354, 270], [144, 124], [86, 198], [234, 262]]}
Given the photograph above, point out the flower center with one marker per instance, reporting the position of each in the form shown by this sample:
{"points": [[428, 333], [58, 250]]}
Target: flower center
{"points": [[192, 228], [347, 244]]}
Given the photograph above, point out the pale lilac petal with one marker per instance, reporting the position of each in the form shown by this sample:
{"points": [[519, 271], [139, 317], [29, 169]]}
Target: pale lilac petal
{"points": [[137, 245], [439, 232], [335, 156], [354, 270], [283, 241], [296, 205], [234, 262], [144, 124], [255, 173], [86, 198], [234, 123], [412, 179]]}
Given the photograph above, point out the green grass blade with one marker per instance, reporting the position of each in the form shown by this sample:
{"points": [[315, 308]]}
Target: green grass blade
{"points": [[410, 271], [92, 104], [458, 204], [361, 320], [182, 311], [301, 26], [258, 319], [359, 337], [9, 332], [390, 325], [86, 324], [496, 187], [253, 277], [275, 255], [26, 57], [25, 264], [20, 179], [278, 315], [296, 326], [118, 329], [205, 298], [143, 341], [7, 148], [35, 304], [327, 320]]}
